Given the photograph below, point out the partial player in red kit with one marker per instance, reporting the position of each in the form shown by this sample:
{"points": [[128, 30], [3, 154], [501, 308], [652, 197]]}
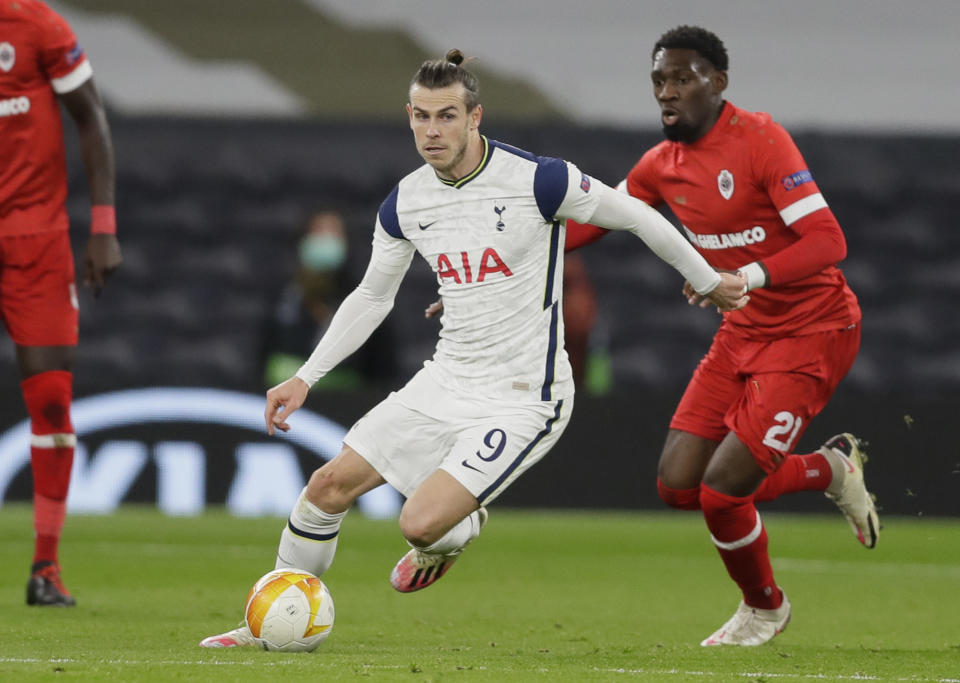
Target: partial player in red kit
{"points": [[42, 64], [748, 202]]}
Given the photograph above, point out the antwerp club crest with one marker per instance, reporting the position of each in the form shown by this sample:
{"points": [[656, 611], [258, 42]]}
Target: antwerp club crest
{"points": [[7, 56], [725, 183]]}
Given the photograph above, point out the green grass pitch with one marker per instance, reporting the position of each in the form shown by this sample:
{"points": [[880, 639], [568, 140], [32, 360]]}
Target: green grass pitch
{"points": [[547, 596]]}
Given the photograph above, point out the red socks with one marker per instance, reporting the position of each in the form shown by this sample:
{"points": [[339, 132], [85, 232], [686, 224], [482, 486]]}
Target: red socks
{"points": [[797, 473], [682, 499], [741, 540], [47, 396]]}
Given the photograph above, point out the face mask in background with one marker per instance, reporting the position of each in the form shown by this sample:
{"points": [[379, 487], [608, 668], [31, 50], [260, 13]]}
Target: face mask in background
{"points": [[322, 252]]}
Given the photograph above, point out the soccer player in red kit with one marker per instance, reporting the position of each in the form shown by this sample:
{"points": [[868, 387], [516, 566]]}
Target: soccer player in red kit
{"points": [[748, 202], [41, 63]]}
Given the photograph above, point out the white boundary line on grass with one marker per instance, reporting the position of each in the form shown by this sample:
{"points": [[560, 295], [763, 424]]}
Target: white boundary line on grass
{"points": [[759, 674], [136, 662], [641, 672], [916, 569]]}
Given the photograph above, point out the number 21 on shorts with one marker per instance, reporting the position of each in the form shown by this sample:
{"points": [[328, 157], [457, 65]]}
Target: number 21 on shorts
{"points": [[788, 425]]}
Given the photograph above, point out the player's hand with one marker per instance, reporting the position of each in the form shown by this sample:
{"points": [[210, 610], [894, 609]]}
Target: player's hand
{"points": [[730, 294], [100, 260], [282, 401], [434, 309]]}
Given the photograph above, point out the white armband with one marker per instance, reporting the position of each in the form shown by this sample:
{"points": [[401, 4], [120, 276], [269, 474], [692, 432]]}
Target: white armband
{"points": [[755, 275]]}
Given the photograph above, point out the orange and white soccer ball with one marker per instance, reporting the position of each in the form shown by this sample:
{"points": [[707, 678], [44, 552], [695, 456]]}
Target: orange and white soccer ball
{"points": [[289, 610]]}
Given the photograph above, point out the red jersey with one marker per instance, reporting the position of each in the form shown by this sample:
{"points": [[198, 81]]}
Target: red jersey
{"points": [[737, 191], [39, 57]]}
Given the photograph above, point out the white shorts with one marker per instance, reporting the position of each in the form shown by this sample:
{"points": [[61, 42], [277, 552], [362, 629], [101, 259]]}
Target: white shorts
{"points": [[484, 444]]}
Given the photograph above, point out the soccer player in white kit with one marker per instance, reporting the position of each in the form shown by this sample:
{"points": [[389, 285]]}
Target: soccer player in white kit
{"points": [[489, 220]]}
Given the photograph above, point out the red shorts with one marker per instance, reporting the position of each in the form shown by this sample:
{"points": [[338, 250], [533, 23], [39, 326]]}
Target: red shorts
{"points": [[765, 392], [38, 294]]}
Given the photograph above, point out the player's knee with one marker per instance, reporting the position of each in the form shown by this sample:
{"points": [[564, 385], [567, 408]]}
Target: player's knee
{"points": [[682, 499], [683, 461], [419, 529], [716, 504], [328, 492], [47, 396]]}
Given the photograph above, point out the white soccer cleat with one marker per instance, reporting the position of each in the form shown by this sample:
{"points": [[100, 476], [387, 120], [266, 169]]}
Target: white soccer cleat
{"points": [[846, 455], [238, 637], [751, 625], [417, 570]]}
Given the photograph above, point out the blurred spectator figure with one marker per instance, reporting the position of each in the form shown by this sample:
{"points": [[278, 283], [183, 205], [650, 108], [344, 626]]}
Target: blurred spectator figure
{"points": [[588, 352], [579, 313], [303, 309]]}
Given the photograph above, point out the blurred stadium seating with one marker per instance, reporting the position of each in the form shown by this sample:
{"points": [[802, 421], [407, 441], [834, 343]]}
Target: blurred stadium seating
{"points": [[209, 211]]}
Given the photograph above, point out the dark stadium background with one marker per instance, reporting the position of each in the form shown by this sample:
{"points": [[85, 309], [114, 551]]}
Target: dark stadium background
{"points": [[209, 210]]}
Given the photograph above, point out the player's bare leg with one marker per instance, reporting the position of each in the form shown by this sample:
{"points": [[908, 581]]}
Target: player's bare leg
{"points": [[309, 540], [438, 521], [682, 463], [836, 469]]}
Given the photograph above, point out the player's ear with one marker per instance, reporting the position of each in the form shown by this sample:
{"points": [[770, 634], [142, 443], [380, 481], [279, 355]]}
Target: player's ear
{"points": [[719, 81], [475, 116], [410, 114]]}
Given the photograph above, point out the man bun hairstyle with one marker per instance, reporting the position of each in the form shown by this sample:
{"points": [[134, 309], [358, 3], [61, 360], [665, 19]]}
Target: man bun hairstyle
{"points": [[441, 73], [706, 43]]}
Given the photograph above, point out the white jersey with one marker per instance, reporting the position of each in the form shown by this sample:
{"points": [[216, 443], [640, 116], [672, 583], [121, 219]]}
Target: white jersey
{"points": [[495, 241]]}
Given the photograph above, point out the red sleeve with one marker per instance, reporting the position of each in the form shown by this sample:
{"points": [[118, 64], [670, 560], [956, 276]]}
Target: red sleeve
{"points": [[784, 174], [58, 49], [641, 182], [821, 244], [582, 234]]}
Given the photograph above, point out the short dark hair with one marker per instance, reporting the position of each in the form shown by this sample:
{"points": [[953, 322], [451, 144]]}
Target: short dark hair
{"points": [[705, 42], [440, 73]]}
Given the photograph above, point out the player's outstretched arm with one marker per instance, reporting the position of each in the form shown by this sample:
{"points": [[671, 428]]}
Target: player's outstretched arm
{"points": [[355, 320], [581, 234], [282, 401], [618, 211], [364, 308], [102, 256]]}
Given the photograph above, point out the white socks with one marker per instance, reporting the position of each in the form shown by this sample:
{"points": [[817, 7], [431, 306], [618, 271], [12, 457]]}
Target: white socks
{"points": [[452, 542], [309, 541]]}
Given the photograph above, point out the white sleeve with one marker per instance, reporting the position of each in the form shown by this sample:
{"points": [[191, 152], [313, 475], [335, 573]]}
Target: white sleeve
{"points": [[616, 210], [364, 308]]}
